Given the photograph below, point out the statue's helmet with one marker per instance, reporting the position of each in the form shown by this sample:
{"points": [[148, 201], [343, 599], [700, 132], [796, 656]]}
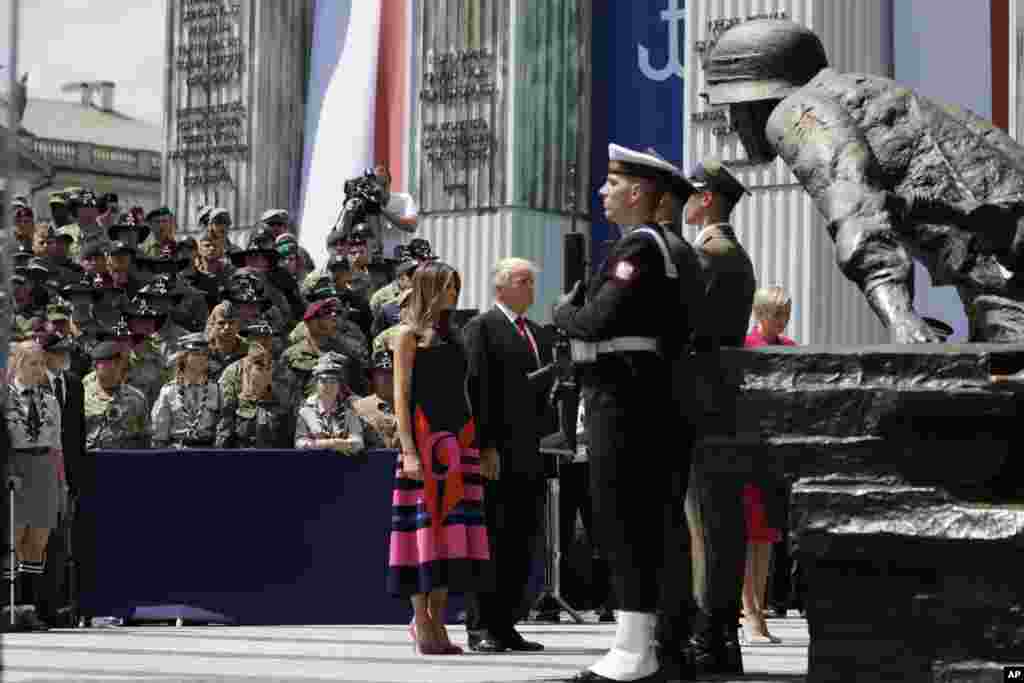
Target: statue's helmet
{"points": [[763, 59]]}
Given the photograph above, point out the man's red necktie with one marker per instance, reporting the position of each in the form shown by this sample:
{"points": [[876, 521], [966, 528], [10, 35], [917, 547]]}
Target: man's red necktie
{"points": [[521, 325]]}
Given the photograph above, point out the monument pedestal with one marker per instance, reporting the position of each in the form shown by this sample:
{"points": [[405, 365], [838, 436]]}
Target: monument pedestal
{"points": [[906, 508]]}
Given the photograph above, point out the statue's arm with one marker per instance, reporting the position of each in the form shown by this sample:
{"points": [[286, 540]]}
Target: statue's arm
{"points": [[829, 154]]}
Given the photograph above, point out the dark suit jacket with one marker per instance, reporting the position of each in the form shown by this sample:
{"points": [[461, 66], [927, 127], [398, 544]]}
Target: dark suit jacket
{"points": [[72, 416], [511, 411], [729, 277]]}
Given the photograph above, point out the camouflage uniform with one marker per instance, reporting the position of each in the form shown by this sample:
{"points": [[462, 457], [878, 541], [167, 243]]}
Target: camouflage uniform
{"points": [[118, 422], [383, 341], [255, 424], [384, 295], [147, 370], [221, 361], [231, 382]]}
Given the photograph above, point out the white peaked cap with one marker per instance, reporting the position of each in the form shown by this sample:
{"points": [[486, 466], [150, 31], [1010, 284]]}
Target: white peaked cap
{"points": [[640, 164], [273, 213]]}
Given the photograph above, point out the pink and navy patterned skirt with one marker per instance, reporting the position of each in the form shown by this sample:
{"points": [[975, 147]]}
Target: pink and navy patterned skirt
{"points": [[438, 531]]}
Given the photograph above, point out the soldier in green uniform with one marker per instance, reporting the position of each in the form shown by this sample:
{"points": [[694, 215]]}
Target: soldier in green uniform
{"points": [[259, 338], [226, 344], [246, 291], [390, 292], [258, 413], [88, 210], [261, 258], [115, 413], [301, 358], [148, 369], [67, 270], [163, 294], [163, 231]]}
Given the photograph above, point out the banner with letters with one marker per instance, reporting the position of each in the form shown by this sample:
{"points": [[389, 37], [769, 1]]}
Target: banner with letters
{"points": [[638, 52]]}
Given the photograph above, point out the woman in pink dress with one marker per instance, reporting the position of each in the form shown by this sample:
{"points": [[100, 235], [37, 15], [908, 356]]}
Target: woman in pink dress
{"points": [[772, 309], [438, 535]]}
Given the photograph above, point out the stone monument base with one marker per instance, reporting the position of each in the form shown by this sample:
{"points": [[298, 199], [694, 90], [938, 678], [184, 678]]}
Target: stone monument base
{"points": [[907, 504]]}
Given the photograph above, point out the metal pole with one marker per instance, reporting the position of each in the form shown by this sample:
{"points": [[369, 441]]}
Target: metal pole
{"points": [[11, 156]]}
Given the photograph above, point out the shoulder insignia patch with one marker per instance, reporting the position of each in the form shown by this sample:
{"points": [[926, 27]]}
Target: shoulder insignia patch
{"points": [[624, 270]]}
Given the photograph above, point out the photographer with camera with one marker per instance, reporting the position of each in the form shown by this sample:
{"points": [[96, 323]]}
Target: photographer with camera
{"points": [[389, 216], [626, 359]]}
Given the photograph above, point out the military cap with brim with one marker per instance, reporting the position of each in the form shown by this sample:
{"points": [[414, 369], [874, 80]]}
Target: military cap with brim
{"points": [[325, 308], [106, 350], [93, 248], [82, 288], [119, 247], [261, 241], [203, 217], [140, 308], [56, 343], [274, 215], [245, 293], [141, 231], [322, 290], [257, 328], [331, 365], [406, 267], [162, 286], [162, 265], [625, 161], [196, 341], [711, 175], [120, 330], [65, 233], [36, 270], [57, 198], [158, 213], [18, 278], [220, 215], [337, 262]]}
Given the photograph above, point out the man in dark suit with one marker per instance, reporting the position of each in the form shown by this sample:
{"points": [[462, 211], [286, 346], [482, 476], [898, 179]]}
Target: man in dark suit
{"points": [[512, 414], [714, 503], [67, 388]]}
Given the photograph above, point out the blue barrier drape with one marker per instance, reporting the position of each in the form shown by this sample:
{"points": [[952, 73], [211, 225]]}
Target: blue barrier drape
{"points": [[261, 536]]}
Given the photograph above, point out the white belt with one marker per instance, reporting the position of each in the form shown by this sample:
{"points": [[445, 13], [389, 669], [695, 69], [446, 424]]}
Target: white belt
{"points": [[587, 352]]}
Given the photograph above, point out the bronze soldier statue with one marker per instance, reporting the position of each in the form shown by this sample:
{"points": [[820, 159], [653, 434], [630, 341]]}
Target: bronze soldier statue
{"points": [[895, 175]]}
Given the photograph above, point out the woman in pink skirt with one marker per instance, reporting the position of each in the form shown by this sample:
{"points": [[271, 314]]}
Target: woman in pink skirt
{"points": [[438, 535]]}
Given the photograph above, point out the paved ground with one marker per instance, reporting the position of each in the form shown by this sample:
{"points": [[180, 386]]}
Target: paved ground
{"points": [[164, 654]]}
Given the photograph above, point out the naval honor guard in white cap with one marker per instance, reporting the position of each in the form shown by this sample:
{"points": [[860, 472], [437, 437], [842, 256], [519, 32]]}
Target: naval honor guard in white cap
{"points": [[637, 316]]}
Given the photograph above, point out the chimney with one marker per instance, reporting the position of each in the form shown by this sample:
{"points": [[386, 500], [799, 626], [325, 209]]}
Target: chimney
{"points": [[107, 95], [86, 92]]}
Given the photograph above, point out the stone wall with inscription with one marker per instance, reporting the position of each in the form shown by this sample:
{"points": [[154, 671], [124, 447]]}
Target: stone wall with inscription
{"points": [[234, 103], [461, 87]]}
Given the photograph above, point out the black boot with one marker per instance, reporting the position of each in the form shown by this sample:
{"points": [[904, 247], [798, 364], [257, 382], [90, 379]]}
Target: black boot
{"points": [[716, 646], [27, 617], [676, 664]]}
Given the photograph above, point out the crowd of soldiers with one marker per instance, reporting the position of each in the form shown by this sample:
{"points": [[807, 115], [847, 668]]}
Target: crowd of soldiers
{"points": [[138, 309]]}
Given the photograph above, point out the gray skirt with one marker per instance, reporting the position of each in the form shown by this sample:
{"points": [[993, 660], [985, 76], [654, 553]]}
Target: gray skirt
{"points": [[37, 500]]}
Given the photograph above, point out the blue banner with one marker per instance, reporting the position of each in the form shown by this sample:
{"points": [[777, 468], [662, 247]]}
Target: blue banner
{"points": [[638, 75]]}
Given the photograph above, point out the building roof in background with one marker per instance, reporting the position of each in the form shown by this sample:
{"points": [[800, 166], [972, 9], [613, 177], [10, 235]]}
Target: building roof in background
{"points": [[75, 122]]}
